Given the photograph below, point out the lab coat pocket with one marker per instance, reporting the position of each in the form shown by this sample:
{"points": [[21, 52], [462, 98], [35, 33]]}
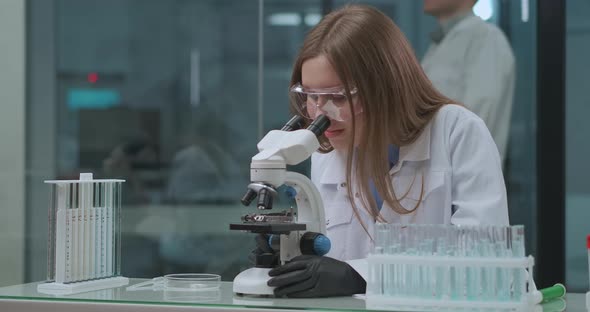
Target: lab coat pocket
{"points": [[338, 214], [417, 188]]}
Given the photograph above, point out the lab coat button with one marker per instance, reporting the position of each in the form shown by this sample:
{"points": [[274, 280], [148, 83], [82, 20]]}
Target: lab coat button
{"points": [[343, 184]]}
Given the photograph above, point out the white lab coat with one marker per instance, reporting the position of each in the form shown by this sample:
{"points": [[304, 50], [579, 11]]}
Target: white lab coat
{"points": [[474, 65], [463, 184]]}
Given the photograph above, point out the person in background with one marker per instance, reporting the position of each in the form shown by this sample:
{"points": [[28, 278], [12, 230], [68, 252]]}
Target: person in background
{"points": [[396, 150], [471, 62], [126, 160]]}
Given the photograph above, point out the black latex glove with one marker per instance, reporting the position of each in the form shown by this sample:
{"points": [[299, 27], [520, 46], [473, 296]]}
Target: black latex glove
{"points": [[316, 276]]}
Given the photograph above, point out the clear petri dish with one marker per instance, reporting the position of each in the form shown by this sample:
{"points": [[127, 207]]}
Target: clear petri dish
{"points": [[191, 282]]}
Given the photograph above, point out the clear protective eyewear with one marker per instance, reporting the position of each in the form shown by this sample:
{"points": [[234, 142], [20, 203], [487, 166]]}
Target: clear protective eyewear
{"points": [[331, 102]]}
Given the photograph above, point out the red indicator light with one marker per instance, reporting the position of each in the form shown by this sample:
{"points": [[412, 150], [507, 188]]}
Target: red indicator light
{"points": [[92, 77]]}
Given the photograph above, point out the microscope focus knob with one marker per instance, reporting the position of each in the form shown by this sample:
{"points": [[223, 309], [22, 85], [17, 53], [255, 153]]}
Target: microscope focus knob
{"points": [[266, 260], [312, 243]]}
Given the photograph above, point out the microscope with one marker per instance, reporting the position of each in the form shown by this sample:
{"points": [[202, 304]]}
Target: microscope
{"points": [[290, 233]]}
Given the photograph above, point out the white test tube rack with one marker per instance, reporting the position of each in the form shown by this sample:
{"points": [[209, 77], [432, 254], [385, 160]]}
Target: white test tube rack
{"points": [[419, 300], [84, 243], [434, 282]]}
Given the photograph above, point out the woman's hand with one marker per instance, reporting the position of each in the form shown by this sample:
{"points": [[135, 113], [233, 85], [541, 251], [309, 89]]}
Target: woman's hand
{"points": [[315, 276]]}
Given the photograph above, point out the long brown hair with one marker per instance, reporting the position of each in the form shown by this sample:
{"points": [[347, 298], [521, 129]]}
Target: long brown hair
{"points": [[368, 51]]}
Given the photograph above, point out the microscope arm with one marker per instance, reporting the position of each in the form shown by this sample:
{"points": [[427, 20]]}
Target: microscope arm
{"points": [[310, 207], [310, 211]]}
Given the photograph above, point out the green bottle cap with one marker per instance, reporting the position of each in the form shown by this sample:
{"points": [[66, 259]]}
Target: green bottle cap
{"points": [[555, 291]]}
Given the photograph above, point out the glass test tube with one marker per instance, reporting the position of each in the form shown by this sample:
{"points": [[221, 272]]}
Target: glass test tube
{"points": [[588, 249], [379, 248], [117, 227], [518, 251]]}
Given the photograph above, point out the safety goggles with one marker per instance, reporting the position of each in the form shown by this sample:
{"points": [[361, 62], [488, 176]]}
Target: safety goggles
{"points": [[331, 102]]}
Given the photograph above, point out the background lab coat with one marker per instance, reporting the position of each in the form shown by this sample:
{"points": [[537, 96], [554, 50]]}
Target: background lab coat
{"points": [[463, 184], [474, 65]]}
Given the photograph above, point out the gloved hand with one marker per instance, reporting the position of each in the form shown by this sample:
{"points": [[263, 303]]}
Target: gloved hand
{"points": [[315, 276]]}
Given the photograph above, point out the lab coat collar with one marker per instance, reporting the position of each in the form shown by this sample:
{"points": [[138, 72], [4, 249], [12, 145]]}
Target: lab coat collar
{"points": [[335, 171], [417, 151]]}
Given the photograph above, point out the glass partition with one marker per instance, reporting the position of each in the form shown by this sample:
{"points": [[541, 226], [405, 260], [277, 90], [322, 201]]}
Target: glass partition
{"points": [[577, 149], [173, 95]]}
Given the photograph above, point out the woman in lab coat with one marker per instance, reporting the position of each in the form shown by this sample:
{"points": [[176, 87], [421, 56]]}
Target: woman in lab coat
{"points": [[397, 150]]}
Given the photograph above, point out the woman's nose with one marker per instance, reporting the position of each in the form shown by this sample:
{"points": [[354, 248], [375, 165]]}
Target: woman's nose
{"points": [[317, 109]]}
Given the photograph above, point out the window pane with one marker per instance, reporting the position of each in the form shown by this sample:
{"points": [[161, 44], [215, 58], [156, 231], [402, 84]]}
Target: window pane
{"points": [[166, 95], [577, 148], [162, 94]]}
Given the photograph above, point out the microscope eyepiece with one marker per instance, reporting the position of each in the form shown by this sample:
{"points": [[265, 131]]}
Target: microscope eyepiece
{"points": [[319, 125], [294, 123]]}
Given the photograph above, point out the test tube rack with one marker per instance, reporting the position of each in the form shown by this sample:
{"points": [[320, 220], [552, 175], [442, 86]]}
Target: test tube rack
{"points": [[84, 241], [449, 268]]}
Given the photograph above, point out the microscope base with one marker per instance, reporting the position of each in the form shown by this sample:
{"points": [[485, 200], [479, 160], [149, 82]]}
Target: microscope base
{"points": [[253, 282]]}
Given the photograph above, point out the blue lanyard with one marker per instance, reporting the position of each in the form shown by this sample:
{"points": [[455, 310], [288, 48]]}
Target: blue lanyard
{"points": [[393, 157]]}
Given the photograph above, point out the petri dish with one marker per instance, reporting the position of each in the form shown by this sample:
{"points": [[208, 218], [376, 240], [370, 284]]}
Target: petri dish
{"points": [[191, 282]]}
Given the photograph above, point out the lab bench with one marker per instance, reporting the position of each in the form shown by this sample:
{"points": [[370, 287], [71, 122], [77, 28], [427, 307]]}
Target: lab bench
{"points": [[26, 298]]}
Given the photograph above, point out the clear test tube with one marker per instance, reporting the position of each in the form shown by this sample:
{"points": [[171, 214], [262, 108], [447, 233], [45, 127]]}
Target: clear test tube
{"points": [[109, 228], [75, 225], [452, 251], [57, 239], [381, 237], [518, 251], [427, 250], [481, 252], [117, 232], [439, 250], [96, 226], [70, 234], [412, 269], [394, 249], [472, 273], [85, 203], [100, 231], [381, 234], [461, 271], [588, 249], [104, 231], [500, 238]]}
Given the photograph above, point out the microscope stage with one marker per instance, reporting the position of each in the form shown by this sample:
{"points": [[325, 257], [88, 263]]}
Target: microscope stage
{"points": [[268, 228]]}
